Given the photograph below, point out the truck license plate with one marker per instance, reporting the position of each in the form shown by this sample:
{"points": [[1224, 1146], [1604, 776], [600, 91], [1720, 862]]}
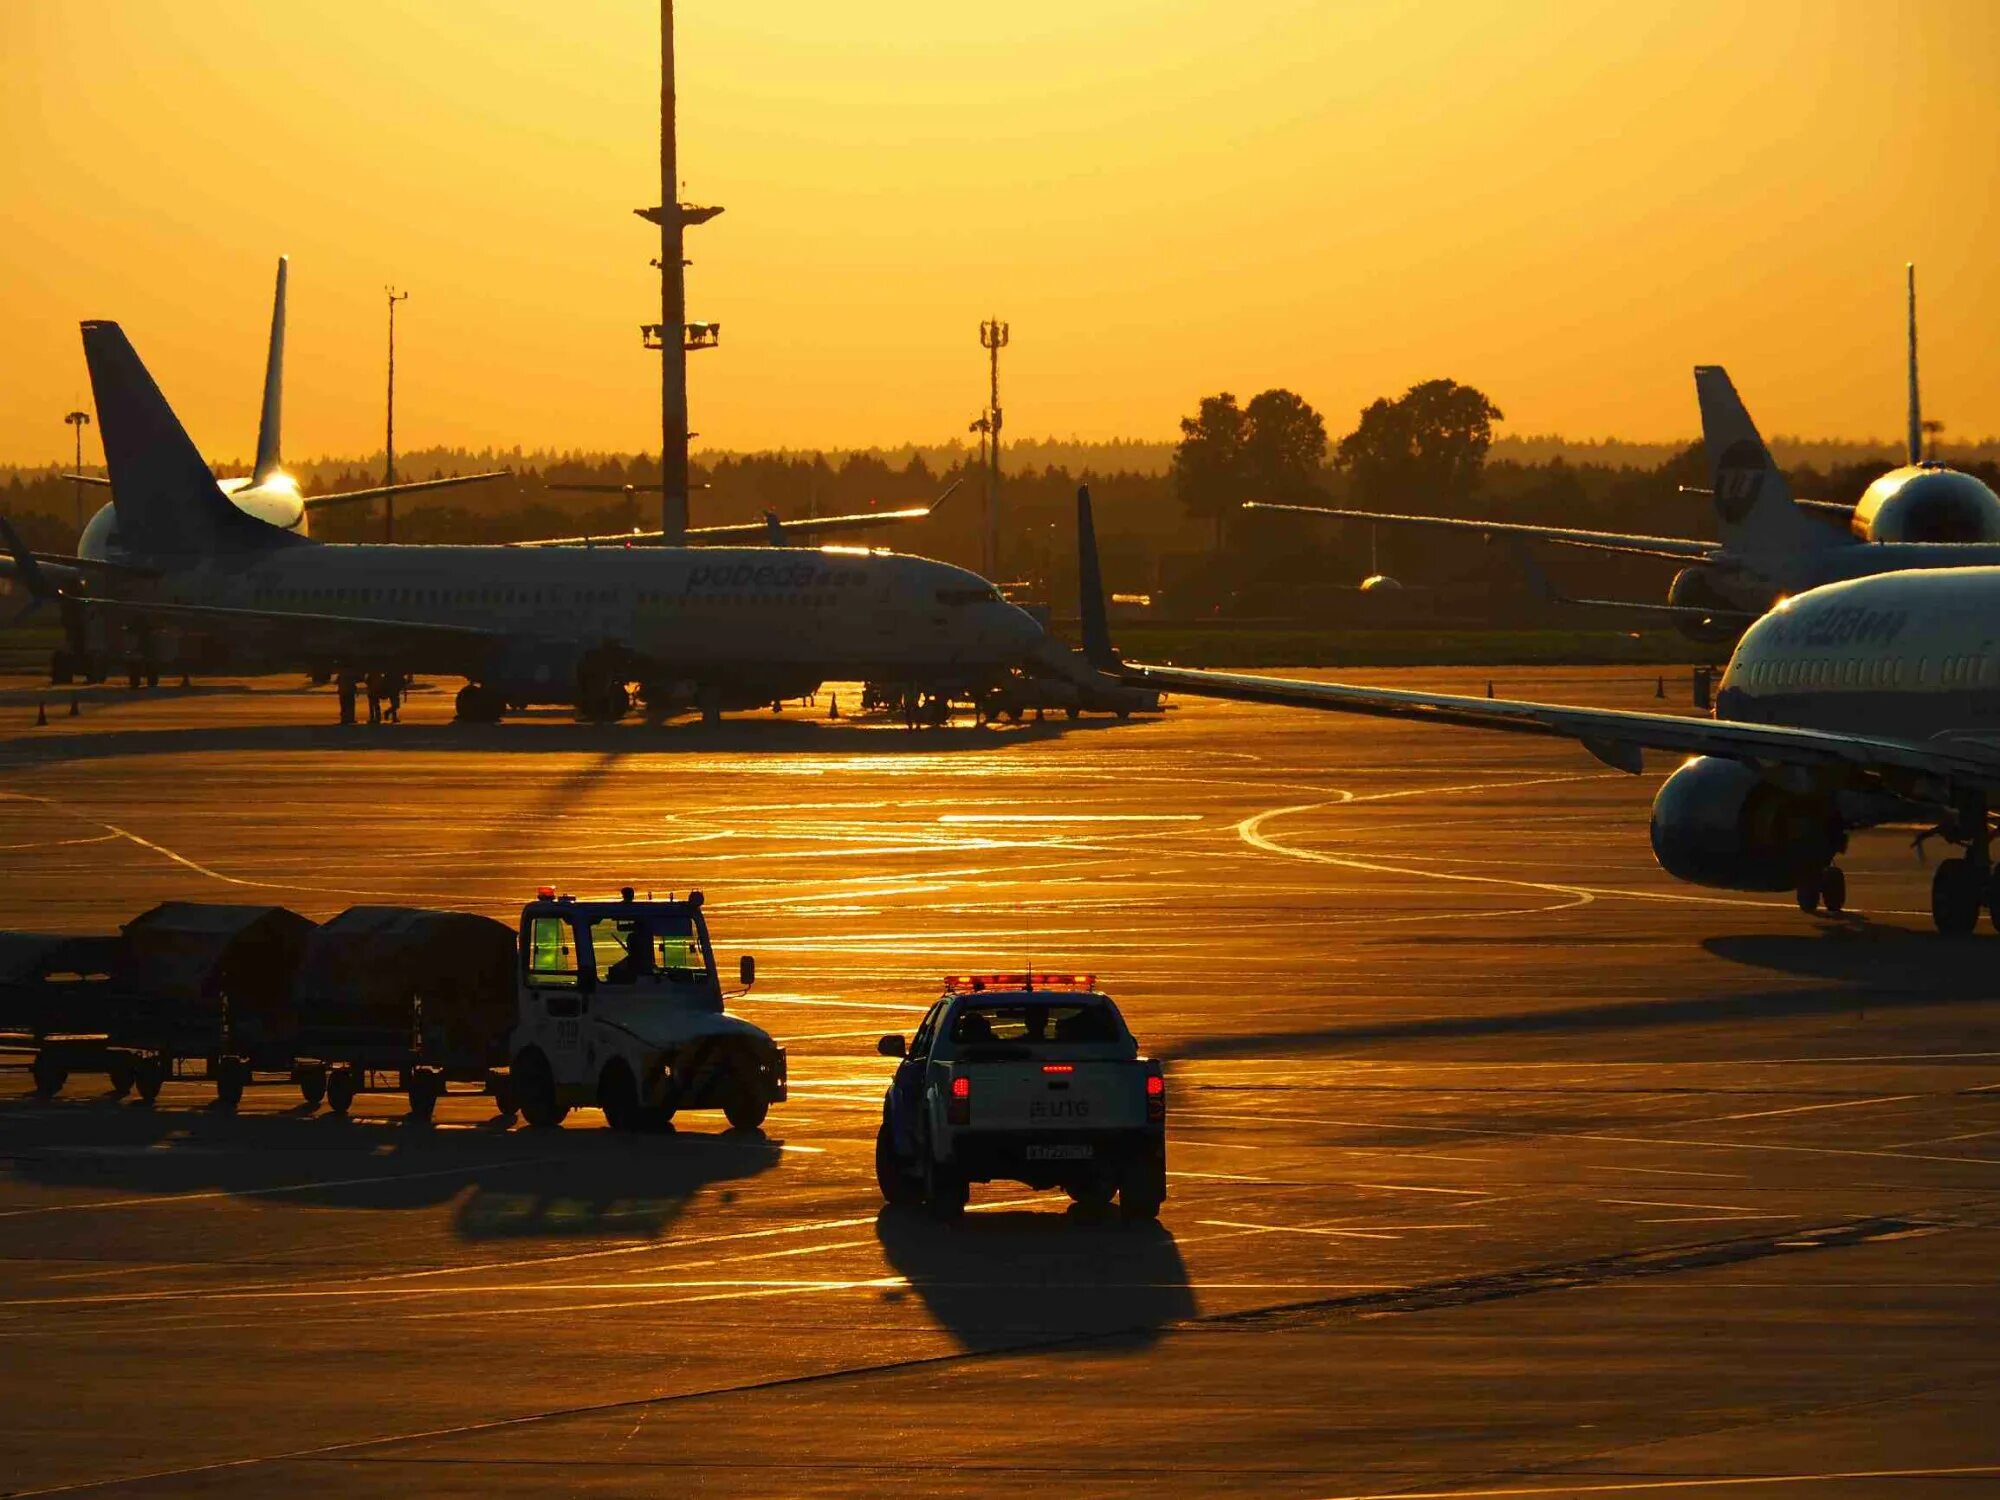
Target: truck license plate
{"points": [[1061, 1153]]}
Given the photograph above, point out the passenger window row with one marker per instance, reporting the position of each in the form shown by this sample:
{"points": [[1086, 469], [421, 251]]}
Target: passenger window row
{"points": [[1958, 671]]}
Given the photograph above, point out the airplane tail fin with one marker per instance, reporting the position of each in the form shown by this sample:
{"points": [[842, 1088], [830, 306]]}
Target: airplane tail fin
{"points": [[274, 385], [1097, 647], [1754, 509], [167, 501], [1916, 405]]}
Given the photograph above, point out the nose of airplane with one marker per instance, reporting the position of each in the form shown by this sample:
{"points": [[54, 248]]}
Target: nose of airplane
{"points": [[1016, 632]]}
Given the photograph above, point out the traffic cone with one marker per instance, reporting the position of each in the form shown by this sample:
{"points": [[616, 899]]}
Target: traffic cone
{"points": [[41, 712], [1489, 687], [833, 706]]}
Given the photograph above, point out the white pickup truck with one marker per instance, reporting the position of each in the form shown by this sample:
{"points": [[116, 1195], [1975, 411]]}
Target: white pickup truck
{"points": [[1028, 1078]]}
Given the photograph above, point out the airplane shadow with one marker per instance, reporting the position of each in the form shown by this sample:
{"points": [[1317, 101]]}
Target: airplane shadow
{"points": [[1860, 966], [516, 1183], [749, 735], [999, 1280]]}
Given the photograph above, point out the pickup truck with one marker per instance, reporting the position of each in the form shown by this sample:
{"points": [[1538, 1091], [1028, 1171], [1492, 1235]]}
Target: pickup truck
{"points": [[1030, 1078]]}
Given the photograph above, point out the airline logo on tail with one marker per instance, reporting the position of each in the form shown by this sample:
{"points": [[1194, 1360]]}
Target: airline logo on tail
{"points": [[1739, 479]]}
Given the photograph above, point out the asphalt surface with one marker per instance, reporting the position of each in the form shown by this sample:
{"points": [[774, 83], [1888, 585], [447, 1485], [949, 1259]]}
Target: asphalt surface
{"points": [[1500, 1163]]}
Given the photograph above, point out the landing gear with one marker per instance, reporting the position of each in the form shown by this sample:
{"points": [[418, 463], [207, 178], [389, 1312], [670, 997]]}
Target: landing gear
{"points": [[477, 704], [1827, 888], [1956, 891]]}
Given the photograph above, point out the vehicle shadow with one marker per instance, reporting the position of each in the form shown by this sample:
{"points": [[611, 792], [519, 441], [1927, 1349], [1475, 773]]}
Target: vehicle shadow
{"points": [[516, 1183], [1003, 1279]]}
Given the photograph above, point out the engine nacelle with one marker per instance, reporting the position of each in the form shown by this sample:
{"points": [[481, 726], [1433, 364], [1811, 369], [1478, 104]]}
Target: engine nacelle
{"points": [[1694, 588], [1927, 503], [1718, 823]]}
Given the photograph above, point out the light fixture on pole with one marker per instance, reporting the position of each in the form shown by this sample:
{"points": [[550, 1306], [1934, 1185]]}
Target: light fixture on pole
{"points": [[993, 338], [389, 442], [79, 420]]}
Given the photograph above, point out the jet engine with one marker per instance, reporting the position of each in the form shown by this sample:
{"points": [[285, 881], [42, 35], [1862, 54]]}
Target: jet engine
{"points": [[1718, 823], [1927, 503], [1694, 588]]}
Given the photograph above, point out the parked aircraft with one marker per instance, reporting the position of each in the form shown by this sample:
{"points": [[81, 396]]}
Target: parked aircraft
{"points": [[1769, 545], [1862, 703], [196, 577], [268, 492]]}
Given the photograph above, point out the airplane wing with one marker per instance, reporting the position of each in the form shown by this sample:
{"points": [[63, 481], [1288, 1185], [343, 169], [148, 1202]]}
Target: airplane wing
{"points": [[778, 533], [349, 639], [1538, 579], [97, 479], [1599, 541], [381, 491], [1617, 737]]}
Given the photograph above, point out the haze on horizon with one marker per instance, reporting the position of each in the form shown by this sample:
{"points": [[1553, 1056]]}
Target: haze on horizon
{"points": [[1566, 204]]}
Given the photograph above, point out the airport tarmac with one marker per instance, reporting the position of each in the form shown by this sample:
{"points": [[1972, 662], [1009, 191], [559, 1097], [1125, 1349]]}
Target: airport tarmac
{"points": [[1501, 1164]]}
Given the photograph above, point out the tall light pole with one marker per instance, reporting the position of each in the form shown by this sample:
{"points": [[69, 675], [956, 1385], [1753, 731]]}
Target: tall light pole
{"points": [[389, 442], [993, 338], [674, 334], [79, 420]]}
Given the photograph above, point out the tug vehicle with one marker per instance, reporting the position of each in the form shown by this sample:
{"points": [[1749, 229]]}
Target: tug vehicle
{"points": [[1030, 1078], [620, 1006]]}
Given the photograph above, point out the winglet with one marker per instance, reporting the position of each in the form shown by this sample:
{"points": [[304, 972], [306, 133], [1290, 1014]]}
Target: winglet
{"points": [[774, 528], [25, 567], [268, 424], [1097, 647]]}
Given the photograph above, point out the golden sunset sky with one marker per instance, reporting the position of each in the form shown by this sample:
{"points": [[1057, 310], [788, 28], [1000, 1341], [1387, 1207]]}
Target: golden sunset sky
{"points": [[1566, 204]]}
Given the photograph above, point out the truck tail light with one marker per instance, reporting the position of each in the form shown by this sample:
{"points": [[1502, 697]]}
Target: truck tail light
{"points": [[1058, 1067], [958, 1111], [1156, 1098]]}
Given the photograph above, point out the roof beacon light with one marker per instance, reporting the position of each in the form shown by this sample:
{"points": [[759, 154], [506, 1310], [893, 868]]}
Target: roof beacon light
{"points": [[960, 983], [545, 893]]}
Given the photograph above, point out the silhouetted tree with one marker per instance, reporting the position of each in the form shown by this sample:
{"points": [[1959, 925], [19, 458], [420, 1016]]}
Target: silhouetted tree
{"points": [[1269, 450], [1208, 463], [1428, 444]]}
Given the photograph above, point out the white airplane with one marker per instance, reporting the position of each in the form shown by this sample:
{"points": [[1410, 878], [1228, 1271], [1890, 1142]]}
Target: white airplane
{"points": [[193, 576], [1921, 515], [1863, 703], [267, 492]]}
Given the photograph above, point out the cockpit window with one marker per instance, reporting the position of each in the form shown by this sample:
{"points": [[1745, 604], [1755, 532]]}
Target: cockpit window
{"points": [[959, 597]]}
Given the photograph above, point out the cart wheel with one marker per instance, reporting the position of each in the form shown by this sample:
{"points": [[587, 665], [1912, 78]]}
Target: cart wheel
{"points": [[424, 1089], [312, 1086], [230, 1075], [49, 1075], [121, 1079], [148, 1074], [341, 1087], [505, 1105]]}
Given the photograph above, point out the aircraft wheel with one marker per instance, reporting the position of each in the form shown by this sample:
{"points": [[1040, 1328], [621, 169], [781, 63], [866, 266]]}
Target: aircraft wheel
{"points": [[1833, 889], [312, 1086], [121, 1079], [1956, 890], [341, 1087], [425, 1088], [149, 1074], [1808, 893], [231, 1074]]}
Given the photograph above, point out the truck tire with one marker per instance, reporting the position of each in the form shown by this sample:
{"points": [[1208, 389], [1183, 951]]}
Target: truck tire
{"points": [[535, 1091], [1142, 1189], [341, 1087], [49, 1075], [945, 1191], [618, 1097], [505, 1104], [744, 1108], [1091, 1192], [899, 1188]]}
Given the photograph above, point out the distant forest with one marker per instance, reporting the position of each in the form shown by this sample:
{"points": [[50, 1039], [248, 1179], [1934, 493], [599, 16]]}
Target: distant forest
{"points": [[1270, 563]]}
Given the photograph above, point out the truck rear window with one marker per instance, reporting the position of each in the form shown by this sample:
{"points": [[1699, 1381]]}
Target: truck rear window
{"points": [[1018, 1024]]}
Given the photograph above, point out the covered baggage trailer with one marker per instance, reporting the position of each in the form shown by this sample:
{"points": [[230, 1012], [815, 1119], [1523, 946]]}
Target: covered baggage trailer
{"points": [[404, 997], [212, 982]]}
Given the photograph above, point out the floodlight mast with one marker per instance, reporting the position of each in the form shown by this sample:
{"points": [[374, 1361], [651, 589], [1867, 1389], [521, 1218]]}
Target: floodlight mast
{"points": [[79, 420], [674, 336]]}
